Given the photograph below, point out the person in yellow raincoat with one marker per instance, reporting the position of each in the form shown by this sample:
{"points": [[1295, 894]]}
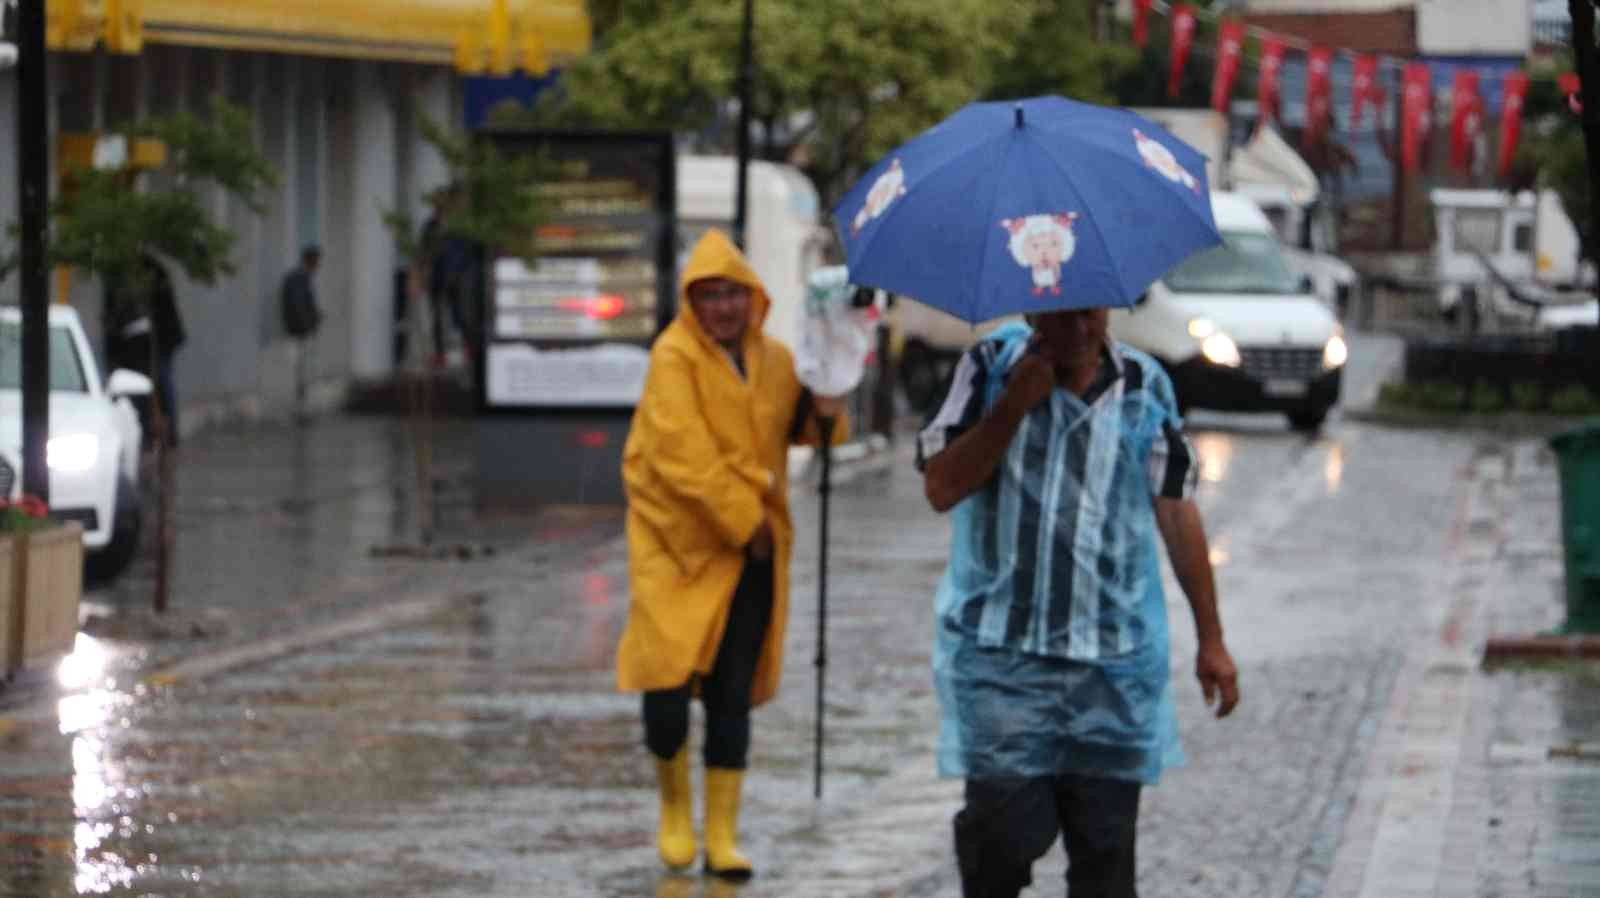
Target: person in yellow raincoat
{"points": [[709, 538]]}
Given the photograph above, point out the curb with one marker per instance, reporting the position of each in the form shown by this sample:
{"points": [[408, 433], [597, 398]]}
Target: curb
{"points": [[1546, 646], [1507, 424], [360, 623]]}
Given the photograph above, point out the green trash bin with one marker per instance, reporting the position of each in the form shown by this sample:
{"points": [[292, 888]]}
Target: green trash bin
{"points": [[1578, 453]]}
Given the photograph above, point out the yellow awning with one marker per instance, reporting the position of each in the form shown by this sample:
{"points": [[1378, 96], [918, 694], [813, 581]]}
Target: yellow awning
{"points": [[475, 36]]}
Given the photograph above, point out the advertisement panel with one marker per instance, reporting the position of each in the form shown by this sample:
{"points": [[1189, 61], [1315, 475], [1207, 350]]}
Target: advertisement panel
{"points": [[574, 329]]}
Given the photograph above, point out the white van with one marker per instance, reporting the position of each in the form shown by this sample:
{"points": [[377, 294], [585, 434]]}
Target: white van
{"points": [[1237, 329]]}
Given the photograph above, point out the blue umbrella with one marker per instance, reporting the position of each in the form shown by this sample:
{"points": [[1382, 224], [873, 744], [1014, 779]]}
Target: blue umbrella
{"points": [[1027, 206]]}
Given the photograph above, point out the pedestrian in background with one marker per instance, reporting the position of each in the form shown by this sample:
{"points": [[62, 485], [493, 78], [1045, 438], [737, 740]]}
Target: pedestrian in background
{"points": [[452, 264], [709, 537], [141, 314], [1061, 453], [302, 318]]}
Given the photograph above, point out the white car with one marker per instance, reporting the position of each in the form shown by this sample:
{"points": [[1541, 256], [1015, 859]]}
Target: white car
{"points": [[94, 438], [1237, 329]]}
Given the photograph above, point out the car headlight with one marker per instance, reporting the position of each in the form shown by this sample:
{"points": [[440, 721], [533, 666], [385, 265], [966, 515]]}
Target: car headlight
{"points": [[73, 454], [1219, 349], [1336, 353], [1201, 328]]}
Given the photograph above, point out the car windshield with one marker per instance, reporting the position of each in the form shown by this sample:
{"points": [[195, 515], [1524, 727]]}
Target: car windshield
{"points": [[66, 369], [1244, 263]]}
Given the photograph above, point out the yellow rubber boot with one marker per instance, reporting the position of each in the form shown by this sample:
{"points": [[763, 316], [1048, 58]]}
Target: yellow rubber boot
{"points": [[675, 838], [723, 859]]}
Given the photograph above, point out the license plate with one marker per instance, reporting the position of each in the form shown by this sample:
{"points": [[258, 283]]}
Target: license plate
{"points": [[1284, 388]]}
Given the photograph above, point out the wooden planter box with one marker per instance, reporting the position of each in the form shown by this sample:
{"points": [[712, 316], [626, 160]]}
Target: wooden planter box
{"points": [[10, 607], [43, 578]]}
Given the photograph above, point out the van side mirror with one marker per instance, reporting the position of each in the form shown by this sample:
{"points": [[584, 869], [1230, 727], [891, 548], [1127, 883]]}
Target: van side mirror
{"points": [[125, 383], [1307, 285], [1143, 298]]}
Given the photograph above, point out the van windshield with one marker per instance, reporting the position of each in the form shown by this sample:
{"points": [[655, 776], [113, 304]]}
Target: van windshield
{"points": [[1245, 263]]}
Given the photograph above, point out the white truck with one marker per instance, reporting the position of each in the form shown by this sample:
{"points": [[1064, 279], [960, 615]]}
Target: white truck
{"points": [[1513, 258]]}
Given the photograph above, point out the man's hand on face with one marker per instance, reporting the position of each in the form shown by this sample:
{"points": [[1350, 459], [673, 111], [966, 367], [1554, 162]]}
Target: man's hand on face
{"points": [[1219, 679], [761, 543], [1033, 377]]}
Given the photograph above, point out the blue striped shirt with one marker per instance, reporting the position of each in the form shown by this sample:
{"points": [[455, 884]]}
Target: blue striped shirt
{"points": [[1061, 540]]}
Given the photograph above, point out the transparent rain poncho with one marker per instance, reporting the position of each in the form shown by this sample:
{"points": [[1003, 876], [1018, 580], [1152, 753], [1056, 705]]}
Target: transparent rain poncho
{"points": [[1051, 652]]}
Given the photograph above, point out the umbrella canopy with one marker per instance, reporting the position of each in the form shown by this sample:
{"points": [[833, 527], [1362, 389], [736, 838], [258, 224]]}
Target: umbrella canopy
{"points": [[1028, 206]]}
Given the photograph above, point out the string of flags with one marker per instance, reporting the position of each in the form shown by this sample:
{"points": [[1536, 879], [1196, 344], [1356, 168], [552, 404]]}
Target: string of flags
{"points": [[1467, 107]]}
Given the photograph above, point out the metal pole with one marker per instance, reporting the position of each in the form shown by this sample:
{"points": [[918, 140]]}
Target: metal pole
{"points": [[1587, 56], [825, 427], [1397, 232], [33, 189], [746, 79]]}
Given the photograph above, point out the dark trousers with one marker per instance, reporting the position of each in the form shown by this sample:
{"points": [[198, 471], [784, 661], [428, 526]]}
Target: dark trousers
{"points": [[725, 692], [1007, 824]]}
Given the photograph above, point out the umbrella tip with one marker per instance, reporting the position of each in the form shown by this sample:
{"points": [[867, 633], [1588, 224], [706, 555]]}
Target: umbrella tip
{"points": [[1019, 115]]}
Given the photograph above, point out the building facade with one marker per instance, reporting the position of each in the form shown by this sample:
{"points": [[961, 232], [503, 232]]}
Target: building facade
{"points": [[337, 90]]}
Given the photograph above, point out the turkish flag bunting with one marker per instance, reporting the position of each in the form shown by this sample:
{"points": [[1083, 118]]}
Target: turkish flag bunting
{"points": [[1466, 119], [1230, 46], [1516, 93], [1141, 22], [1319, 68], [1572, 86], [1183, 25], [1415, 113], [1267, 88], [1364, 88]]}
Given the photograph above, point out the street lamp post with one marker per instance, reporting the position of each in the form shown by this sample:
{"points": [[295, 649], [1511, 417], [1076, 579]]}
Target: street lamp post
{"points": [[33, 178], [746, 77]]}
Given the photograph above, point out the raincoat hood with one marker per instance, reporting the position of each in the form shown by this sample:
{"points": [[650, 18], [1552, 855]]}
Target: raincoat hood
{"points": [[715, 256]]}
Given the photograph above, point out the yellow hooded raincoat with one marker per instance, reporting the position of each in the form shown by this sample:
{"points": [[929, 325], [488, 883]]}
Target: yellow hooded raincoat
{"points": [[704, 446]]}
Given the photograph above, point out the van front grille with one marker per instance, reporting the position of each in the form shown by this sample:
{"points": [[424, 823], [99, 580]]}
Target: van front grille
{"points": [[1281, 362]]}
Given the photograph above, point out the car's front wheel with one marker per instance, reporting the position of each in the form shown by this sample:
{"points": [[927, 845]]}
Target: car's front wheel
{"points": [[126, 526]]}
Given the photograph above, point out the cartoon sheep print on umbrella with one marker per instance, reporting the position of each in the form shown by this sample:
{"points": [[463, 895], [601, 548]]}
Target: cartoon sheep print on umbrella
{"points": [[1042, 244], [1028, 206]]}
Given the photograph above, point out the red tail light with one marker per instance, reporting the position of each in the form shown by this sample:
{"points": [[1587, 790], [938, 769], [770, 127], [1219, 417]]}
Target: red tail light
{"points": [[604, 307]]}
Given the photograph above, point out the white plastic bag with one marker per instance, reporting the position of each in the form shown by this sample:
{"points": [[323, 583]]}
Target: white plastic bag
{"points": [[835, 338]]}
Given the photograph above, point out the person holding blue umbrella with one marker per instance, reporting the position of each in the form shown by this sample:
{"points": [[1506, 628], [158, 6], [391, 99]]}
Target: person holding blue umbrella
{"points": [[1061, 456]]}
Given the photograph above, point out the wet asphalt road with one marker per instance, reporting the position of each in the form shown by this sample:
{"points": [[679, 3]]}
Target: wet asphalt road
{"points": [[479, 750]]}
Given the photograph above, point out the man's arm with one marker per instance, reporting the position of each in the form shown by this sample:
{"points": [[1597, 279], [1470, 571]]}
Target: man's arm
{"points": [[1185, 537], [964, 466], [967, 463]]}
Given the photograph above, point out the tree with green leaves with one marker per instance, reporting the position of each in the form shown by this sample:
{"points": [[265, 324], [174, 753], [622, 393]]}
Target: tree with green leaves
{"points": [[490, 202], [106, 223], [838, 83]]}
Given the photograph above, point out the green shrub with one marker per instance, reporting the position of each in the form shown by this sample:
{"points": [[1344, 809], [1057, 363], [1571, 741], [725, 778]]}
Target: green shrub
{"points": [[1527, 397], [1575, 400], [1400, 395], [1487, 399], [1442, 397]]}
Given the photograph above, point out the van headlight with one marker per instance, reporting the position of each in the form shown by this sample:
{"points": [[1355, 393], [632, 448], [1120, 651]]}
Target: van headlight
{"points": [[73, 454], [1217, 347], [1336, 353]]}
